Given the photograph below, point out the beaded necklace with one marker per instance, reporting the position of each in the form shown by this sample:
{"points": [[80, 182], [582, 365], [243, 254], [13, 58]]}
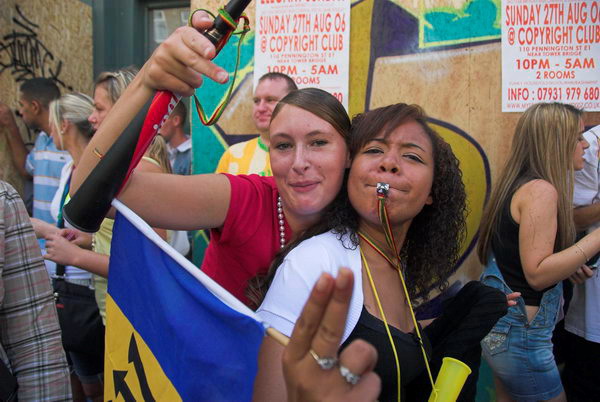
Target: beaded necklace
{"points": [[281, 222]]}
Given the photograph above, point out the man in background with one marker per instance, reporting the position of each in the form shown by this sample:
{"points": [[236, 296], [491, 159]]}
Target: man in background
{"points": [[252, 157], [178, 142], [45, 162]]}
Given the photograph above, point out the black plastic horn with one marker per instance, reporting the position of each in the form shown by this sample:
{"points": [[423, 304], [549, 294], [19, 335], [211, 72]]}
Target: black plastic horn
{"points": [[88, 207], [90, 204]]}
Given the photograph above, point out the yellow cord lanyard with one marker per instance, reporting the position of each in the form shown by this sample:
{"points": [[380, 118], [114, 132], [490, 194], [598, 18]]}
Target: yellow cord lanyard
{"points": [[395, 262]]}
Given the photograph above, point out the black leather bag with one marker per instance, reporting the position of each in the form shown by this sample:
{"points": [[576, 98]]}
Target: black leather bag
{"points": [[78, 314], [79, 317]]}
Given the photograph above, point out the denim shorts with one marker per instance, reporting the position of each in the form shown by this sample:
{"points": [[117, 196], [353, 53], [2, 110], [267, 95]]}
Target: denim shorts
{"points": [[520, 352]]}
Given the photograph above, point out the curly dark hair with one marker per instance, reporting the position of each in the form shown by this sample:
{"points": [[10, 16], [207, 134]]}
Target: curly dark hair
{"points": [[432, 245]]}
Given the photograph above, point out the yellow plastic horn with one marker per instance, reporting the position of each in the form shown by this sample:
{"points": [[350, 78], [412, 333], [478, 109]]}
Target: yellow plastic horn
{"points": [[450, 380]]}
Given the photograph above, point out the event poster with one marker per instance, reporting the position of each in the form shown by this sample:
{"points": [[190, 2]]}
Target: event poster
{"points": [[309, 40], [550, 52]]}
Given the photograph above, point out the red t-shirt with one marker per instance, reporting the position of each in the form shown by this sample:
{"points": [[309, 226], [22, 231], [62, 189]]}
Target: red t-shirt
{"points": [[249, 239]]}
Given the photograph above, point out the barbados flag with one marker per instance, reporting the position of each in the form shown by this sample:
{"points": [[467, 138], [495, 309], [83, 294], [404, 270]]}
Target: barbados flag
{"points": [[172, 333]]}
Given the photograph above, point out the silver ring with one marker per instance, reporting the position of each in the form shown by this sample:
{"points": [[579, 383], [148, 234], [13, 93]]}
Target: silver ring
{"points": [[349, 376], [326, 363]]}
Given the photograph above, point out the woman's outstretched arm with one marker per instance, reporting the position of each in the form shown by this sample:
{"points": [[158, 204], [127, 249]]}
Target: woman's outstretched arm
{"points": [[169, 201]]}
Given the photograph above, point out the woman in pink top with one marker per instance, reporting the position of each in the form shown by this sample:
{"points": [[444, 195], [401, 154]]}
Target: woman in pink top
{"points": [[251, 217]]}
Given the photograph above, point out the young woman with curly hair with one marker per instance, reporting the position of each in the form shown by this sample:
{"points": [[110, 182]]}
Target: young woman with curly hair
{"points": [[426, 206], [527, 244]]}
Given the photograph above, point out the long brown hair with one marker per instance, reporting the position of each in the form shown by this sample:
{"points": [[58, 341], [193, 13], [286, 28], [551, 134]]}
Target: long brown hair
{"points": [[542, 148]]}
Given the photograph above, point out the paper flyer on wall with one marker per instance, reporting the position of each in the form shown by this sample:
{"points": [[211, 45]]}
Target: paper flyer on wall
{"points": [[307, 40], [550, 52]]}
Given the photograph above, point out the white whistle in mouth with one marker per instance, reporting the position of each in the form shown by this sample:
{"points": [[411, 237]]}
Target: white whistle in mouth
{"points": [[383, 189]]}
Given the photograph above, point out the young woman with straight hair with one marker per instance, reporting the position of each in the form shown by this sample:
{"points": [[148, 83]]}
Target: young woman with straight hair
{"points": [[527, 243]]}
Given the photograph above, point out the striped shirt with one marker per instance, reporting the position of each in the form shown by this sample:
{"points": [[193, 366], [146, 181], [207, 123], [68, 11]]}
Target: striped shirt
{"points": [[30, 340], [45, 163]]}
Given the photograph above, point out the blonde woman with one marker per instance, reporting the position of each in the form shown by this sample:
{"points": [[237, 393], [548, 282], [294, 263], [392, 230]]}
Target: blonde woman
{"points": [[527, 244], [71, 131], [94, 255]]}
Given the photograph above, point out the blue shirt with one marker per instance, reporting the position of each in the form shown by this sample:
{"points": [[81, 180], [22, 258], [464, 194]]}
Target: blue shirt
{"points": [[181, 158], [45, 163]]}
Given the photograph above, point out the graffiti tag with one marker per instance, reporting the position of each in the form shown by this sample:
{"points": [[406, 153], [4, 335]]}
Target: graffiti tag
{"points": [[24, 54]]}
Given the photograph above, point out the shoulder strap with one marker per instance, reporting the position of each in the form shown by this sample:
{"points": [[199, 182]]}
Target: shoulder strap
{"points": [[60, 269]]}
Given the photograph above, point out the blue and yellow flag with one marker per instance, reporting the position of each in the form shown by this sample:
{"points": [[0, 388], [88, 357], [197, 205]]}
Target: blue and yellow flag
{"points": [[171, 332]]}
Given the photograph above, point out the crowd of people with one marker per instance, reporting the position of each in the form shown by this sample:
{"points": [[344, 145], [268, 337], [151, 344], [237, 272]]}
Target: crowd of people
{"points": [[66, 124], [331, 228]]}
